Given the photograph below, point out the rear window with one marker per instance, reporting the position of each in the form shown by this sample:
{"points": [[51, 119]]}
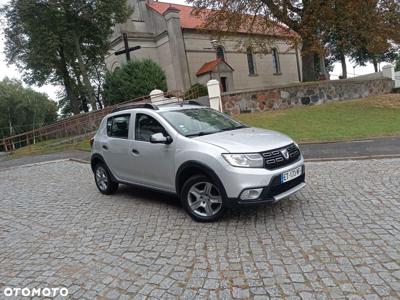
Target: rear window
{"points": [[118, 126]]}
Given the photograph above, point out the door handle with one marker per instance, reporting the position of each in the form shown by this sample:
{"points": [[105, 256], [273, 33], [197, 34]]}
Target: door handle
{"points": [[105, 147], [134, 151]]}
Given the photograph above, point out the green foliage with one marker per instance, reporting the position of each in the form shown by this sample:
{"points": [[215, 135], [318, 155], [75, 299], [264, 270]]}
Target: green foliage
{"points": [[397, 63], [135, 79], [23, 109], [62, 42], [197, 90]]}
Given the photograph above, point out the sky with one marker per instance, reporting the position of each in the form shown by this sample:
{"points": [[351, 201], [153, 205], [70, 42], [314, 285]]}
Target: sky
{"points": [[51, 91]]}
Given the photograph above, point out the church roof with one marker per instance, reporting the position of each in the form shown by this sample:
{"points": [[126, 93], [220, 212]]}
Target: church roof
{"points": [[190, 21], [210, 66]]}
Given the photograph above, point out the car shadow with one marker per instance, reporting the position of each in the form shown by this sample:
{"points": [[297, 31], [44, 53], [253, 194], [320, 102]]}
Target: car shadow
{"points": [[241, 214], [136, 192]]}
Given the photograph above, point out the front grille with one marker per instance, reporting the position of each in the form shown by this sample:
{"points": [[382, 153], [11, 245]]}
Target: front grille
{"points": [[274, 159]]}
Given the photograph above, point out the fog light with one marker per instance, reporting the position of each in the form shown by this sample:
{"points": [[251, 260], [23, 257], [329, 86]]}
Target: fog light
{"points": [[251, 194]]}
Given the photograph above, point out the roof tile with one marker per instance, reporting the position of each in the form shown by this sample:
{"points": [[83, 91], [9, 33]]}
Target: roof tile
{"points": [[190, 21]]}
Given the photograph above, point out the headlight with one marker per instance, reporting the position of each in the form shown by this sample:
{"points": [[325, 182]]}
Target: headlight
{"points": [[245, 160]]}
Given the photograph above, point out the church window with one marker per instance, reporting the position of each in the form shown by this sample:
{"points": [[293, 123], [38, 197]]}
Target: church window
{"points": [[251, 62], [221, 52], [275, 62]]}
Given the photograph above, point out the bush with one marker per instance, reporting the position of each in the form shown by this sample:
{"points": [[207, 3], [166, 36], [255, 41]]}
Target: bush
{"points": [[135, 79], [397, 64], [197, 90]]}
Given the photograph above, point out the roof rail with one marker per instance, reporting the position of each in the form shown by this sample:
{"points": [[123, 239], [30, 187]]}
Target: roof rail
{"points": [[192, 102], [133, 106]]}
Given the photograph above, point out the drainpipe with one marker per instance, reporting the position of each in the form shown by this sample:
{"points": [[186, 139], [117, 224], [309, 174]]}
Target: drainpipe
{"points": [[187, 61]]}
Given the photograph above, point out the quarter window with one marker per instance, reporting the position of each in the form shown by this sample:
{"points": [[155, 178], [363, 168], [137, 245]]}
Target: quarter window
{"points": [[275, 61], [146, 126], [118, 126]]}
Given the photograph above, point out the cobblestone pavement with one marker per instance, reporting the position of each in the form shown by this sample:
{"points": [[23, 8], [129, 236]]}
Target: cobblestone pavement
{"points": [[337, 238]]}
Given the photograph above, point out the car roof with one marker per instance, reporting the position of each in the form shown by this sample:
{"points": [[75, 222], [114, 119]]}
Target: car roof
{"points": [[158, 109]]}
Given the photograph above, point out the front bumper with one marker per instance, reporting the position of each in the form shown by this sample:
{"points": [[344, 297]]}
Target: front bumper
{"points": [[235, 180], [273, 192]]}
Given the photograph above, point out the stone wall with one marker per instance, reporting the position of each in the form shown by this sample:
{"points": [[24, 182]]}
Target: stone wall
{"points": [[397, 80], [303, 94]]}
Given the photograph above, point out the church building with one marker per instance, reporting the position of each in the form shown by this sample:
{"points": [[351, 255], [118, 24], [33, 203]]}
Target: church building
{"points": [[173, 37]]}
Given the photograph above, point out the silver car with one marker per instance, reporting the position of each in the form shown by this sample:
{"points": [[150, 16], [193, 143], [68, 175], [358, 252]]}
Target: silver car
{"points": [[209, 160]]}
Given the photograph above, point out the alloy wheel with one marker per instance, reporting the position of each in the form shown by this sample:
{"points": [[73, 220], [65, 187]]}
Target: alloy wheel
{"points": [[204, 199], [101, 178]]}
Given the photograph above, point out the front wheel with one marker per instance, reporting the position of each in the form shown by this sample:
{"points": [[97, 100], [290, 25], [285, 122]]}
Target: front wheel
{"points": [[203, 199], [103, 179]]}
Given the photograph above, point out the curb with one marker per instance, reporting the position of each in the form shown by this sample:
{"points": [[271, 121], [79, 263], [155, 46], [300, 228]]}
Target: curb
{"points": [[35, 164], [352, 158], [82, 161], [360, 140]]}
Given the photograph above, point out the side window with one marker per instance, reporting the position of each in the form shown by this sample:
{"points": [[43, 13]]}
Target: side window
{"points": [[146, 126], [118, 126]]}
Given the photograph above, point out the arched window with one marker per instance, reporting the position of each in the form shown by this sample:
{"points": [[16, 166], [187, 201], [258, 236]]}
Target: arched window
{"points": [[275, 61], [115, 66], [220, 52], [250, 61]]}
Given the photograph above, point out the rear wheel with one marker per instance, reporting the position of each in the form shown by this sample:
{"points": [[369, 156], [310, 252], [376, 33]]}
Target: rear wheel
{"points": [[203, 199], [103, 179]]}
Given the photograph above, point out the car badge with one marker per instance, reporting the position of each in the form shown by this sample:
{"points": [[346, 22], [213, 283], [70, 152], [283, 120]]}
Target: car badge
{"points": [[285, 153]]}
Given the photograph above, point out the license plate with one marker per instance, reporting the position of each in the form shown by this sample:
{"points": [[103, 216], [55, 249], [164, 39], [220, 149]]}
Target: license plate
{"points": [[292, 174]]}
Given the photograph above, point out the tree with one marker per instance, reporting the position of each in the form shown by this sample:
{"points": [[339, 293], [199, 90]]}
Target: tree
{"points": [[62, 42], [197, 90], [397, 63], [365, 39], [339, 30], [23, 109], [315, 22], [268, 16], [135, 79]]}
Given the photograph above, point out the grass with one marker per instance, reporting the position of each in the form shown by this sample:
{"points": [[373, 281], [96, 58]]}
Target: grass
{"points": [[345, 120], [356, 119], [51, 146]]}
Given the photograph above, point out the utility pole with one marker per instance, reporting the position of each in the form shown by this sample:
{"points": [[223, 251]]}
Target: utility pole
{"points": [[127, 51]]}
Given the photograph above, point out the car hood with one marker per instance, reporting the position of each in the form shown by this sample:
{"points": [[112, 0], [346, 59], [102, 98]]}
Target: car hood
{"points": [[247, 140]]}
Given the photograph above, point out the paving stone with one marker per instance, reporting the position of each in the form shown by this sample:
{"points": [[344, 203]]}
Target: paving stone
{"points": [[337, 238]]}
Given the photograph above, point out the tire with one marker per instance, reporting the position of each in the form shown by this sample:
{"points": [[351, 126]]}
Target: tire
{"points": [[203, 199], [103, 180]]}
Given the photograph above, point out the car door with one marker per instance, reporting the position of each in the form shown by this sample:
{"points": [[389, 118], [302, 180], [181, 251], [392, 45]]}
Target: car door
{"points": [[115, 147], [153, 164]]}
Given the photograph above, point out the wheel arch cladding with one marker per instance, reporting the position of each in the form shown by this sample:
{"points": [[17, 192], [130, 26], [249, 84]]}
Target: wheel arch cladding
{"points": [[95, 159], [191, 168]]}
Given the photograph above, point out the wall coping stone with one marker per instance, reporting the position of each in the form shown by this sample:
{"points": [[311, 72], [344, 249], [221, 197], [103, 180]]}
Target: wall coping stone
{"points": [[301, 84]]}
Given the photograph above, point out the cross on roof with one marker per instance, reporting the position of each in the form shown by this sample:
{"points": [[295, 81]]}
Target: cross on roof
{"points": [[127, 51]]}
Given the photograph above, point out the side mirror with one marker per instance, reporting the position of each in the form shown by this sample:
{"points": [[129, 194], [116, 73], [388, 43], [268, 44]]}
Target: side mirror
{"points": [[159, 138]]}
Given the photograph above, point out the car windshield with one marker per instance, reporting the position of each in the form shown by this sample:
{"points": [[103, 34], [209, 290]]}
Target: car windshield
{"points": [[197, 122]]}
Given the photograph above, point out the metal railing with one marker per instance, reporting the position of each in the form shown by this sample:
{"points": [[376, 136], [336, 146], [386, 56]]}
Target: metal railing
{"points": [[76, 125]]}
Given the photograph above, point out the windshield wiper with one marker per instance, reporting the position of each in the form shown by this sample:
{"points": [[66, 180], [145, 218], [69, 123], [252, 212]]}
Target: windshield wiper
{"points": [[233, 128], [202, 133]]}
